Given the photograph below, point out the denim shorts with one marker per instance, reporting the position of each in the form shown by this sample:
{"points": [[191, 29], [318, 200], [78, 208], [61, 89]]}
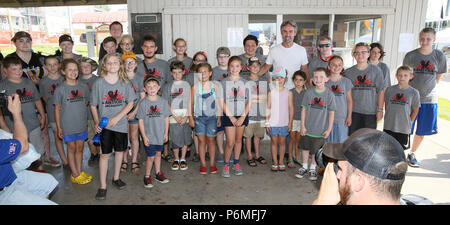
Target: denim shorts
{"points": [[279, 131], [338, 134], [206, 125], [76, 137], [152, 149]]}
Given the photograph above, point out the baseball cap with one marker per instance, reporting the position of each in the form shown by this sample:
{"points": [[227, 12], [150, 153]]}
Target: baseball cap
{"points": [[223, 50], [372, 151], [151, 77], [21, 34], [252, 60], [89, 60], [127, 55], [279, 72], [65, 37]]}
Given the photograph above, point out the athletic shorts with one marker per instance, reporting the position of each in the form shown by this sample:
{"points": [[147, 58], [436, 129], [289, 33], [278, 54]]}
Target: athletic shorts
{"points": [[152, 149], [76, 137], [426, 120], [312, 144], [110, 140], [180, 135], [403, 139]]}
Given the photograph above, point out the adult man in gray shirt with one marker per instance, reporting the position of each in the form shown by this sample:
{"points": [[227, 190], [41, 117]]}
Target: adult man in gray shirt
{"points": [[151, 65]]}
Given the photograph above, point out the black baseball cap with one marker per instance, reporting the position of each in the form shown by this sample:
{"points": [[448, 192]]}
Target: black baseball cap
{"points": [[21, 34], [372, 151], [65, 37], [151, 77]]}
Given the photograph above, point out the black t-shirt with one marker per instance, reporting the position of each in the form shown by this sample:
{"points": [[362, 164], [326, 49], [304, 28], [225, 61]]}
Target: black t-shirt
{"points": [[33, 68]]}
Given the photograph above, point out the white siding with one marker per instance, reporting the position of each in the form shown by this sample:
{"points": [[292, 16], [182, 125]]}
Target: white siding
{"points": [[204, 23]]}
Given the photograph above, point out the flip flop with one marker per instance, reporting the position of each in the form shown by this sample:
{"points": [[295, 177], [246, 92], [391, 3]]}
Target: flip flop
{"points": [[290, 164], [251, 162], [281, 168], [124, 167], [274, 168], [261, 160]]}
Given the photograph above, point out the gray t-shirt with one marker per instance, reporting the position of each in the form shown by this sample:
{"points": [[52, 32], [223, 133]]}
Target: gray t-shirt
{"points": [[236, 95], [154, 114], [317, 107], [74, 110], [399, 106], [47, 88], [366, 86], [258, 90], [298, 98], [219, 74], [245, 71], [340, 90], [28, 95], [111, 99], [386, 73], [177, 94], [316, 63], [158, 68], [425, 68], [89, 82]]}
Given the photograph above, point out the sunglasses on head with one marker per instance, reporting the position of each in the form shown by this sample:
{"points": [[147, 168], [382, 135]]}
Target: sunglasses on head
{"points": [[324, 45]]}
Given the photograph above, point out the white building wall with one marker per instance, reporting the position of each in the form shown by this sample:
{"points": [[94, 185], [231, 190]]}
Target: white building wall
{"points": [[204, 23]]}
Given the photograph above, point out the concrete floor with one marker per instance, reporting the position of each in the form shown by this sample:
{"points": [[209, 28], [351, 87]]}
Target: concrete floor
{"points": [[258, 185]]}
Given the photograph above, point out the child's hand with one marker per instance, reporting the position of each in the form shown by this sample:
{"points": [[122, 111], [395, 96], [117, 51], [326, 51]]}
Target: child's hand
{"points": [[183, 120], [97, 129], [289, 127], [326, 134], [191, 123], [303, 131], [348, 122], [379, 116], [60, 134], [268, 130], [112, 122], [132, 115], [219, 122], [240, 121], [146, 141], [233, 120]]}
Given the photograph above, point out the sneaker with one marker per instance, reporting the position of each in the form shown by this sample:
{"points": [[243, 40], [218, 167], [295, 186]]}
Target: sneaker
{"points": [[148, 182], [412, 161], [101, 194], [312, 175], [183, 165], [119, 184], [237, 169], [301, 172], [176, 165], [213, 169], [161, 178], [219, 158], [203, 170], [51, 162], [226, 171]]}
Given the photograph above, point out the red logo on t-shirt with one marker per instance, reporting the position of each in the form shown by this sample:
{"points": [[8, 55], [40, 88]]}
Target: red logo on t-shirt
{"points": [[399, 96], [53, 88], [177, 92], [317, 101], [335, 88], [153, 72], [113, 95], [362, 79], [24, 93], [75, 93], [235, 92], [425, 65], [153, 109]]}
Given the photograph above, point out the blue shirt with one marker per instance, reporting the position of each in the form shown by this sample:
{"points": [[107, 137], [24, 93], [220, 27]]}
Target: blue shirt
{"points": [[9, 151]]}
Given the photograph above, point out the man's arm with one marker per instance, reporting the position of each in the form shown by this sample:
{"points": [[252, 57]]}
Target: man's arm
{"points": [[308, 82]]}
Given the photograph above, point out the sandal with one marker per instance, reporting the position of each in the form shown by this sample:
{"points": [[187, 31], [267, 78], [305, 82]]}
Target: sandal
{"points": [[281, 168], [291, 164], [169, 157], [136, 168], [261, 160], [124, 167], [274, 168], [251, 162]]}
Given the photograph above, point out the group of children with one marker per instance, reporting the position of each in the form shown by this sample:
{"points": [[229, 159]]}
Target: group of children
{"points": [[158, 107]]}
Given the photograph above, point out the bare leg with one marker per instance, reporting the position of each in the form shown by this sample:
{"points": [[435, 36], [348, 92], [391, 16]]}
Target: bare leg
{"points": [[220, 139], [230, 132], [71, 149], [202, 149], [238, 142], [79, 155], [416, 143], [118, 156], [158, 162], [212, 150], [103, 169], [60, 148]]}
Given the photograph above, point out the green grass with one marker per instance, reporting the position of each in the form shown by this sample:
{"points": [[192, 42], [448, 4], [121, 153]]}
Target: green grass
{"points": [[444, 108], [47, 49]]}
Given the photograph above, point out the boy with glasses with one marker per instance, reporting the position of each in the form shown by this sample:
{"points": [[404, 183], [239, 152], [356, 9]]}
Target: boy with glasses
{"points": [[324, 47]]}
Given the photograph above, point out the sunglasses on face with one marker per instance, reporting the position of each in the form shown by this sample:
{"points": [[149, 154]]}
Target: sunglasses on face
{"points": [[324, 45]]}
